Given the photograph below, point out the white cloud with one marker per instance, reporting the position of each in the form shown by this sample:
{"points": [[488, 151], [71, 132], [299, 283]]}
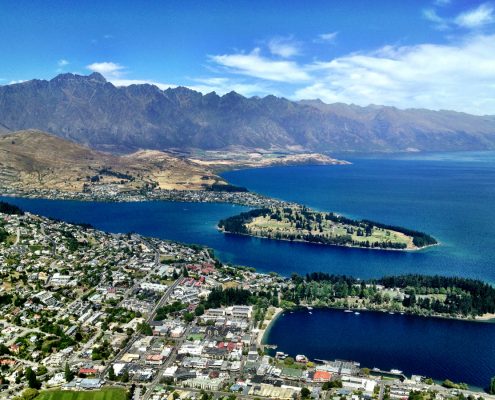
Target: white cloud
{"points": [[480, 16], [456, 76], [432, 16], [62, 63], [471, 19], [254, 65], [327, 37], [284, 47], [107, 69]]}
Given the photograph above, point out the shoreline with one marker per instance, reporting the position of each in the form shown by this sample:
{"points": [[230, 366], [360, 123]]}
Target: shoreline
{"points": [[330, 244], [485, 319], [269, 322], [246, 199]]}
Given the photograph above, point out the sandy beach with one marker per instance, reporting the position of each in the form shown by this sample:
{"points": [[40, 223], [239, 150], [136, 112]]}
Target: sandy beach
{"points": [[267, 323]]}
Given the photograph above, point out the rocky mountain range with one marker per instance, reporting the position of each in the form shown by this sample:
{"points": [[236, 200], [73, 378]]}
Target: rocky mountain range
{"points": [[91, 111]]}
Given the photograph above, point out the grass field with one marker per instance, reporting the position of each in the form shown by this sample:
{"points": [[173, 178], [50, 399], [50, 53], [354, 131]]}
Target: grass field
{"points": [[264, 225], [104, 394]]}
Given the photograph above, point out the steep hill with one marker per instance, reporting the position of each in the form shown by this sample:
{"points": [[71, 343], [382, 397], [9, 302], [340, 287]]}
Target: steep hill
{"points": [[32, 160], [92, 111]]}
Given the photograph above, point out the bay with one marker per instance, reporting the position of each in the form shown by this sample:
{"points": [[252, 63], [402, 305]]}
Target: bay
{"points": [[451, 198], [439, 348]]}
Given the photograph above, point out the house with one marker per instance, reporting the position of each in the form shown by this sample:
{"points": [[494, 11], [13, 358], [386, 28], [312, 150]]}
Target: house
{"points": [[155, 359], [242, 312], [322, 376], [204, 383], [85, 384], [355, 383], [88, 371], [14, 348]]}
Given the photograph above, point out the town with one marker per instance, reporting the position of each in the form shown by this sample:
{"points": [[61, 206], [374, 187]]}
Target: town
{"points": [[115, 193], [84, 310]]}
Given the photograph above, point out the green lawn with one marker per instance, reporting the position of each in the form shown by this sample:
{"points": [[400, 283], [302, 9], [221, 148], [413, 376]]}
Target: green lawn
{"points": [[264, 225], [103, 394]]}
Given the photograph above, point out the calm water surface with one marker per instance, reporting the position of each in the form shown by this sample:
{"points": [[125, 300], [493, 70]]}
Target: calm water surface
{"points": [[457, 350], [453, 200], [451, 197]]}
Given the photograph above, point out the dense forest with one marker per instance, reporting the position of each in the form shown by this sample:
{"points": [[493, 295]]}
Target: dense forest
{"points": [[7, 208], [305, 222], [419, 294], [237, 223]]}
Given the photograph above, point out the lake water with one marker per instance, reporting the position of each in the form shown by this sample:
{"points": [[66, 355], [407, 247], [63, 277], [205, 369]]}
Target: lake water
{"points": [[451, 197], [457, 350]]}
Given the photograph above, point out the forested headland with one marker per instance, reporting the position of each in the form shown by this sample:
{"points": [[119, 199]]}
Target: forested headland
{"points": [[416, 294], [303, 224]]}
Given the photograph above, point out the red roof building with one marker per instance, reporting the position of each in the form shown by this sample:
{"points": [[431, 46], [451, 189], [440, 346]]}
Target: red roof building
{"points": [[322, 376], [88, 371]]}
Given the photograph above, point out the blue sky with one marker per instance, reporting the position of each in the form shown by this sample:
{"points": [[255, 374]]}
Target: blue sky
{"points": [[436, 54]]}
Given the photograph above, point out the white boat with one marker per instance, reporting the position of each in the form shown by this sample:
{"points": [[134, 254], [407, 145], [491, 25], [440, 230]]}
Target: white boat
{"points": [[347, 310], [396, 371], [391, 312], [357, 313], [310, 308], [310, 312]]}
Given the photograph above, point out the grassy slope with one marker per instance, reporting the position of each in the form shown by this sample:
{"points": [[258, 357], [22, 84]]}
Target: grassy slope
{"points": [[104, 394], [263, 225]]}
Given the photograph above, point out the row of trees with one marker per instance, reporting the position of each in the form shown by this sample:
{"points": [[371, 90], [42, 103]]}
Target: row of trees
{"points": [[468, 296], [442, 295]]}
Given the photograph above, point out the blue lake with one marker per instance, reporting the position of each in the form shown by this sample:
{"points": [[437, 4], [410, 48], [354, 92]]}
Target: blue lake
{"points": [[451, 197], [438, 348]]}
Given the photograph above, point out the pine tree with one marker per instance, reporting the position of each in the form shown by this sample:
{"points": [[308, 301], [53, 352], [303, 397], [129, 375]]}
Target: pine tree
{"points": [[33, 382], [111, 374], [125, 376], [68, 374]]}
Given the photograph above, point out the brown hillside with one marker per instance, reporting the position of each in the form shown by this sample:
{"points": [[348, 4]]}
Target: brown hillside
{"points": [[33, 159]]}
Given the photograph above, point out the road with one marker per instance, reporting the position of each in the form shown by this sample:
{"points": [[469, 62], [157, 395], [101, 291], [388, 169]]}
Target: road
{"points": [[18, 236], [170, 360], [137, 335], [42, 229]]}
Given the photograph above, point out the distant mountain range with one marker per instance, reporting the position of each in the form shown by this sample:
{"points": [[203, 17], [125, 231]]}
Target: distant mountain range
{"points": [[91, 111]]}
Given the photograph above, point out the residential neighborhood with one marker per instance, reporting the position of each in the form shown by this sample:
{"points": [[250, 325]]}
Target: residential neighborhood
{"points": [[83, 310]]}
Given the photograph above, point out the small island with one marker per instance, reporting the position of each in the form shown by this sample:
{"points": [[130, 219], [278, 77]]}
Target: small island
{"points": [[299, 223]]}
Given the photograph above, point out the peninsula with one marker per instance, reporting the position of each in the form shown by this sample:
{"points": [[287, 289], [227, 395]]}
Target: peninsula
{"points": [[299, 223], [40, 165], [84, 311]]}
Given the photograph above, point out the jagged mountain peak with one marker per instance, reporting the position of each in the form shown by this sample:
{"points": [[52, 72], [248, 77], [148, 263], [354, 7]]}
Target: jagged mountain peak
{"points": [[92, 111]]}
